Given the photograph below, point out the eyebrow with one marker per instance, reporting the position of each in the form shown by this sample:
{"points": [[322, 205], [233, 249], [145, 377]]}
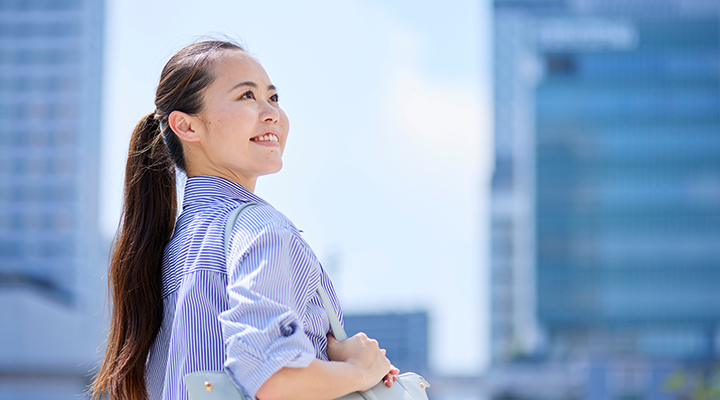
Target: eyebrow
{"points": [[252, 85]]}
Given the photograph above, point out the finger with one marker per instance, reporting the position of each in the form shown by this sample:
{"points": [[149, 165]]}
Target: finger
{"points": [[383, 351], [331, 338], [388, 381]]}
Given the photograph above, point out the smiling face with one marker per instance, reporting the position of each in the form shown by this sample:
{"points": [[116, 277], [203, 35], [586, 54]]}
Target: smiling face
{"points": [[240, 134]]}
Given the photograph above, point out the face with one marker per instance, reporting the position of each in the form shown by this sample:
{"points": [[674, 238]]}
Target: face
{"points": [[243, 128]]}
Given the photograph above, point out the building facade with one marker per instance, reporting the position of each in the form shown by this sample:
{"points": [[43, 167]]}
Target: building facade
{"points": [[606, 192], [51, 264], [403, 335]]}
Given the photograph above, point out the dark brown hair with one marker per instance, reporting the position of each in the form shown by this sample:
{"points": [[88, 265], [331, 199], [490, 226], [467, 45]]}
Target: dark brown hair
{"points": [[147, 223]]}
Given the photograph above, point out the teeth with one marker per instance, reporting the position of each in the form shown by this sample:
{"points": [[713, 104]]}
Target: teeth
{"points": [[268, 138]]}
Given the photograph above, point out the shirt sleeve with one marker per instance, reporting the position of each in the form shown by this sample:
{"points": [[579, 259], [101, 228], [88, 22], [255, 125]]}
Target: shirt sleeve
{"points": [[262, 330]]}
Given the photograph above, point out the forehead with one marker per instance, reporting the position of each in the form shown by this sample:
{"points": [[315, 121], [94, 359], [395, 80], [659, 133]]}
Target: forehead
{"points": [[233, 66]]}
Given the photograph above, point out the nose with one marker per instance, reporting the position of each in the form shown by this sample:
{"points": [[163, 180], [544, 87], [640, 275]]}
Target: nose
{"points": [[269, 113]]}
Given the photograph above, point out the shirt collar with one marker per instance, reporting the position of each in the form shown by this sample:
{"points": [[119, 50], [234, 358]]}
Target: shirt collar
{"points": [[206, 189]]}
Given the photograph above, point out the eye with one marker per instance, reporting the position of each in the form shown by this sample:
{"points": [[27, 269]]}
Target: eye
{"points": [[248, 95], [275, 98]]}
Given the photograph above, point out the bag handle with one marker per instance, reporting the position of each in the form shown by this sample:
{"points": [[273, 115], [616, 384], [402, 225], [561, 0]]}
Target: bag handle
{"points": [[232, 219], [337, 328], [335, 325]]}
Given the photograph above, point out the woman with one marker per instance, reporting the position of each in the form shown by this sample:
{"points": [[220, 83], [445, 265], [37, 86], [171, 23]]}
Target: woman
{"points": [[178, 307]]}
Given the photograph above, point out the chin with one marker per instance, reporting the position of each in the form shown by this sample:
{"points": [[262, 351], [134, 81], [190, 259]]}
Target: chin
{"points": [[276, 167]]}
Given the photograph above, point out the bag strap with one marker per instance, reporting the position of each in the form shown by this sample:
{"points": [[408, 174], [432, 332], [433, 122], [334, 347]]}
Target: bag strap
{"points": [[232, 219], [335, 325], [337, 328]]}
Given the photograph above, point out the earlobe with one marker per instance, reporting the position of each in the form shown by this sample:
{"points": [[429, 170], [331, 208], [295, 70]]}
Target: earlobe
{"points": [[184, 126]]}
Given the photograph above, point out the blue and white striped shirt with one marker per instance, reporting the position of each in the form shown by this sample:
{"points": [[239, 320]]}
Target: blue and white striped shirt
{"points": [[251, 316]]}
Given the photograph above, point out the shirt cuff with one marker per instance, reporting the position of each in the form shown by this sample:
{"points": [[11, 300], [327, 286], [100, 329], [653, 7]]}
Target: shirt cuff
{"points": [[253, 356]]}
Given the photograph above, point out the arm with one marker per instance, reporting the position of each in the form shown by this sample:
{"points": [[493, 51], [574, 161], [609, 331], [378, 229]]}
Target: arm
{"points": [[321, 380], [267, 350], [359, 365], [262, 329]]}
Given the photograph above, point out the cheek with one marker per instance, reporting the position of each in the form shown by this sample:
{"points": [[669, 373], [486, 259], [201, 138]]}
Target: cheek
{"points": [[284, 122], [232, 124], [286, 129]]}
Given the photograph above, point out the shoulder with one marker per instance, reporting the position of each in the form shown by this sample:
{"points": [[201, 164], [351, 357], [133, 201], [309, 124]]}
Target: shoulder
{"points": [[258, 223], [258, 217], [252, 217]]}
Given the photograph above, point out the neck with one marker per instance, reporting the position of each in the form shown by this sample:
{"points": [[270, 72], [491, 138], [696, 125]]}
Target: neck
{"points": [[247, 183], [198, 164]]}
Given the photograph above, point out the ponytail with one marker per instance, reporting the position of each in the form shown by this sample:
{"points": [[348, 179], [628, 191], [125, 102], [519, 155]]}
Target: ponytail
{"points": [[135, 268]]}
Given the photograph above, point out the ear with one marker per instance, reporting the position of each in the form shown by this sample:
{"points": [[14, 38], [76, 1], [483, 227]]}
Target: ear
{"points": [[185, 126]]}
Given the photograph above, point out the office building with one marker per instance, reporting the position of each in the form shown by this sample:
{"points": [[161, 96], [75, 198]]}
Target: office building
{"points": [[403, 335], [51, 264], [606, 192]]}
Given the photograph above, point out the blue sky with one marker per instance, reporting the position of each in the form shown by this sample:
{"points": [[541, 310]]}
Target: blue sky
{"points": [[388, 162]]}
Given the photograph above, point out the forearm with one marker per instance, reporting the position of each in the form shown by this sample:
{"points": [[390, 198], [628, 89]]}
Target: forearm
{"points": [[321, 380]]}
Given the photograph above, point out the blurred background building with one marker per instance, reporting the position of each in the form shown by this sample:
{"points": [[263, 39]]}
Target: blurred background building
{"points": [[606, 196], [403, 335], [50, 252]]}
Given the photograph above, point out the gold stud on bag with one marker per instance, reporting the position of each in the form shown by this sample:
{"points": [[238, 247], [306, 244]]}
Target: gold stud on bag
{"points": [[217, 385], [213, 385]]}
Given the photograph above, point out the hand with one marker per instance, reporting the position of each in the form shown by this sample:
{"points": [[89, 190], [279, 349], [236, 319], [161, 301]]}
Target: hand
{"points": [[365, 354]]}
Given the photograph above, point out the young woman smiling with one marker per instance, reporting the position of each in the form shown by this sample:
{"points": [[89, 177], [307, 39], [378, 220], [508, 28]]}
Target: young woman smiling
{"points": [[180, 303]]}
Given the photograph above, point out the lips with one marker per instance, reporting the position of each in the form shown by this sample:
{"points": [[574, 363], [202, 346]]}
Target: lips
{"points": [[268, 137]]}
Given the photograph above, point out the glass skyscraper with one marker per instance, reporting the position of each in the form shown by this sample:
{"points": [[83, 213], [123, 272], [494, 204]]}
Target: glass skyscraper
{"points": [[51, 293], [606, 193]]}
